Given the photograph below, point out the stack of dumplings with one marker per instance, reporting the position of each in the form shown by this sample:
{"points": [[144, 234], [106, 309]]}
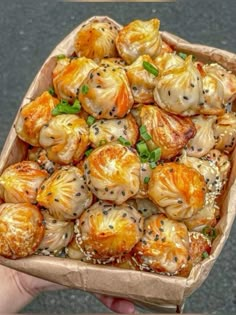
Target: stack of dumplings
{"points": [[129, 152]]}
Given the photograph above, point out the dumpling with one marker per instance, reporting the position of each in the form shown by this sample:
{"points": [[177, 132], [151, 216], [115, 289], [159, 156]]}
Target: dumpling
{"points": [[21, 229], [164, 247], [169, 132], [207, 216], [141, 81], [227, 78], [112, 172], [107, 94], [125, 262], [65, 194], [179, 89], [60, 65], [145, 173], [33, 116], [73, 251], [139, 38], [106, 231], [20, 182], [65, 138], [96, 40], [168, 60], [144, 206], [104, 131], [58, 234], [199, 249], [68, 81], [204, 139], [177, 189], [225, 132], [39, 155]]}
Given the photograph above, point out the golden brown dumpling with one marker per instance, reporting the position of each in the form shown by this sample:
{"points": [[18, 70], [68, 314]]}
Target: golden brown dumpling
{"points": [[107, 231], [225, 132], [179, 89], [141, 81], [112, 172], [96, 40], [108, 94], [65, 194], [168, 60], [104, 131], [39, 155], [169, 132], [139, 38], [65, 138], [73, 251], [227, 78], [179, 190], [20, 182], [204, 139], [58, 234], [68, 81], [21, 229], [33, 116], [164, 246], [199, 249], [61, 64]]}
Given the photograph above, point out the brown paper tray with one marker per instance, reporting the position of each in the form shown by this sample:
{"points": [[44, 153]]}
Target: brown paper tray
{"points": [[147, 288]]}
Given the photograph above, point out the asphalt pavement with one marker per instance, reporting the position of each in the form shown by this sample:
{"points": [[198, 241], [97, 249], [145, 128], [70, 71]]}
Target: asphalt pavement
{"points": [[29, 30]]}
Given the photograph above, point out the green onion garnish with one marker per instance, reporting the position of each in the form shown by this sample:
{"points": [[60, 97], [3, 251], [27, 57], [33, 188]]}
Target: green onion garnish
{"points": [[84, 89], [183, 55], [102, 142], [209, 232], [143, 151], [146, 180], [61, 56], [205, 255], [65, 108], [51, 91], [88, 152], [155, 155], [123, 141], [90, 120], [144, 134], [150, 68], [152, 165]]}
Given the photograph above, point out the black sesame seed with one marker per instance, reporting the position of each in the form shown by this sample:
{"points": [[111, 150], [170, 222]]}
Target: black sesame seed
{"points": [[176, 259], [169, 93], [185, 97], [124, 215], [106, 189], [111, 226], [123, 193], [56, 200], [78, 194], [192, 85], [105, 212]]}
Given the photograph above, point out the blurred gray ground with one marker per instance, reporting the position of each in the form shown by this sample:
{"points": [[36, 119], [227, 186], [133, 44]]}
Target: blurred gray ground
{"points": [[30, 29]]}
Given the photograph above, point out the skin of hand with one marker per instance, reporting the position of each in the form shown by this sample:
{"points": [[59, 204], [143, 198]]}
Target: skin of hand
{"points": [[18, 289]]}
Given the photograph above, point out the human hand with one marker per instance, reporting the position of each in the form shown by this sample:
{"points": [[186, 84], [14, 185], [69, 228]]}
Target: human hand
{"points": [[18, 289]]}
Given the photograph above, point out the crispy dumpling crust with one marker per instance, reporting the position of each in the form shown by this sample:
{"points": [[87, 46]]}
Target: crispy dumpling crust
{"points": [[104, 131], [68, 81], [33, 117], [108, 93], [20, 182], [21, 229], [60, 65], [169, 132], [58, 234], [179, 89], [65, 138], [96, 41], [179, 190], [112, 172], [107, 231], [65, 194], [168, 60], [141, 81], [139, 38], [164, 246]]}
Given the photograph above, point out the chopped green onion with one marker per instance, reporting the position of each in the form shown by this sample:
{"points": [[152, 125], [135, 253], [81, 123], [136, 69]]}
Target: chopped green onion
{"points": [[61, 56], [205, 255], [123, 141], [90, 120], [143, 151], [152, 165], [183, 55], [84, 89], [102, 142], [51, 91], [146, 180], [150, 68], [155, 155], [88, 152], [144, 134], [209, 232], [65, 108]]}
